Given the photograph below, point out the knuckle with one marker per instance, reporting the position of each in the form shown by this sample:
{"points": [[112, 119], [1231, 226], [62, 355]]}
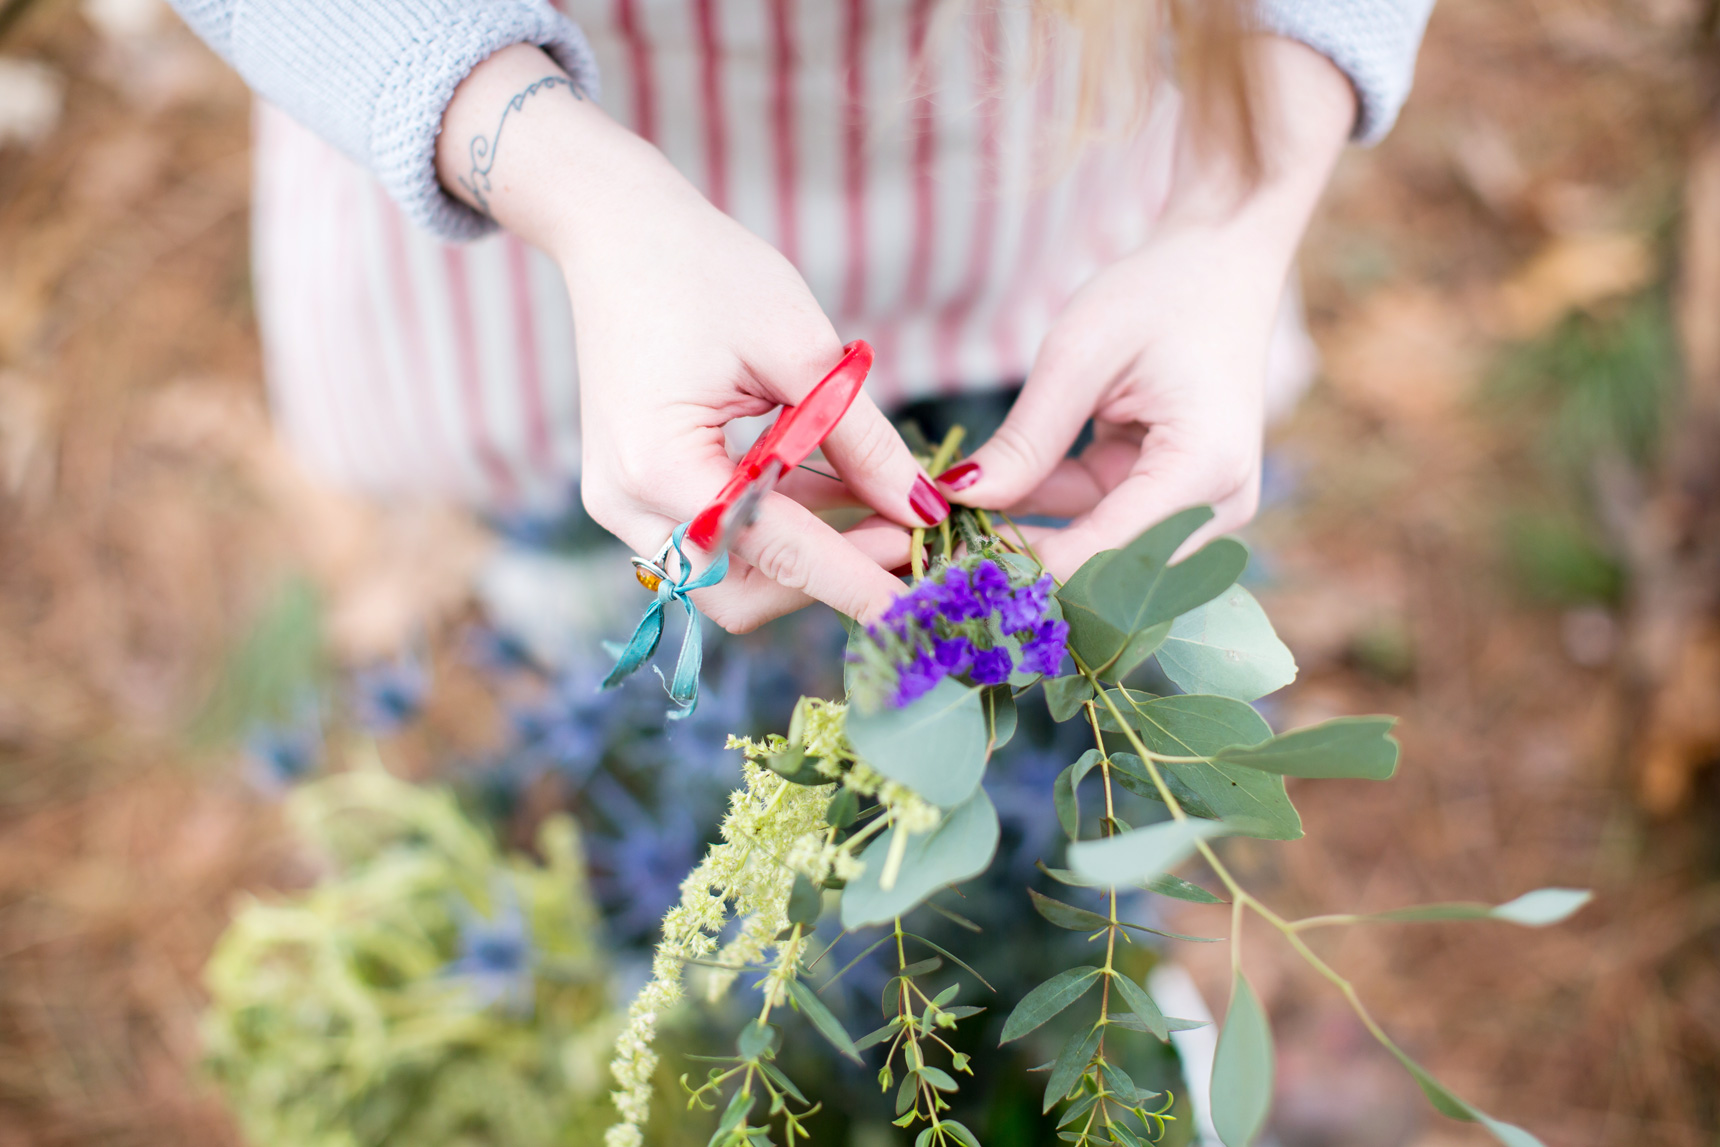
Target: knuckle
{"points": [[874, 447], [632, 476], [1020, 453], [782, 559]]}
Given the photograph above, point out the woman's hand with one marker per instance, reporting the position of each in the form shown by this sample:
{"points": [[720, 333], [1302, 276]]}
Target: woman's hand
{"points": [[685, 321], [1166, 349]]}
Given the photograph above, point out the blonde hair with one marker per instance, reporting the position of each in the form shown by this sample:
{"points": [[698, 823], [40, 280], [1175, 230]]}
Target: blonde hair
{"points": [[1126, 50]]}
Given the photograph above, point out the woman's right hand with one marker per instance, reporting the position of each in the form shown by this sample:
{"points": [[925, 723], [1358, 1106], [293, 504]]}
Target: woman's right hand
{"points": [[686, 321]]}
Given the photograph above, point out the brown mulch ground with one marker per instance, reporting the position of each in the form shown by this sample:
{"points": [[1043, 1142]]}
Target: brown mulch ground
{"points": [[1540, 167]]}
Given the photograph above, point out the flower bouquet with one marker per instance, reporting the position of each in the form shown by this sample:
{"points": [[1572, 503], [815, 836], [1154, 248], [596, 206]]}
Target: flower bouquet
{"points": [[871, 810]]}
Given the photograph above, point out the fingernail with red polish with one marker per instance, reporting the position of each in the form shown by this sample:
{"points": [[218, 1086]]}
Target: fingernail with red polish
{"points": [[928, 503], [960, 476]]}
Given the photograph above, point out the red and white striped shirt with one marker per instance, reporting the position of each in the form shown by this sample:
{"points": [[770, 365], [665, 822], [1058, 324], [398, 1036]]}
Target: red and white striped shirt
{"points": [[919, 176]]}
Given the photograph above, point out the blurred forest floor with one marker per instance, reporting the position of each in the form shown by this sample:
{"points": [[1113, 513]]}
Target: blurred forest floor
{"points": [[1494, 516]]}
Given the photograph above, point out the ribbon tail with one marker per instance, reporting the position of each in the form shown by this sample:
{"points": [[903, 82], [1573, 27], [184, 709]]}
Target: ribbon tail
{"points": [[684, 690], [640, 646]]}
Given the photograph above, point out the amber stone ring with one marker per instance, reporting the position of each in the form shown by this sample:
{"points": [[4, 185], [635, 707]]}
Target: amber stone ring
{"points": [[653, 572]]}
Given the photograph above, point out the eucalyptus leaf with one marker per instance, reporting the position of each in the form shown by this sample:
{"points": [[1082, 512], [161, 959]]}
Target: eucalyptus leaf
{"points": [[1251, 802], [1227, 647], [873, 1038], [1120, 604], [960, 847], [1242, 1068], [1135, 856], [1086, 763], [1143, 1005], [935, 746], [1066, 1069], [827, 1024], [1064, 696], [805, 902], [755, 1040], [1067, 915], [1066, 803], [738, 1109], [792, 764], [1000, 719], [1535, 909], [781, 1080], [1447, 1102], [1047, 1000], [843, 808], [1176, 887], [1346, 747], [1063, 876], [938, 1078], [965, 1137]]}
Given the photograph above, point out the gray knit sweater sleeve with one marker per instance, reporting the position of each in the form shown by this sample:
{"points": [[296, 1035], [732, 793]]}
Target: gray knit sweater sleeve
{"points": [[374, 76], [1374, 42]]}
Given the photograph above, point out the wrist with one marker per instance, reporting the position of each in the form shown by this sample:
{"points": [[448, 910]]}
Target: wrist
{"points": [[521, 143], [1304, 111]]}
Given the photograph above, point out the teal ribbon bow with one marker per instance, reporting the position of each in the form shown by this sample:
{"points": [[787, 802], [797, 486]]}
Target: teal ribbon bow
{"points": [[684, 689]]}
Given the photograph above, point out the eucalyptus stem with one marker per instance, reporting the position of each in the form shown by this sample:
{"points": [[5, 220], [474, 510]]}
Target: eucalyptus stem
{"points": [[1240, 897]]}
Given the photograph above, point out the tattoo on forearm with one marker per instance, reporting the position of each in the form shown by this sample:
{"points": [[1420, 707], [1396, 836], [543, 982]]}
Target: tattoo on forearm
{"points": [[483, 148]]}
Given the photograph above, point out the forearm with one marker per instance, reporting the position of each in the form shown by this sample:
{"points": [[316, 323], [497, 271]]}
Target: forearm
{"points": [[521, 143], [1305, 109]]}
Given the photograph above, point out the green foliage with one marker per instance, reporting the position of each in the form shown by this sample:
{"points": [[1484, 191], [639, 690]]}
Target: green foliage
{"points": [[1601, 384], [827, 1024], [1000, 716], [1120, 604], [1242, 1068], [959, 848], [1535, 909], [1132, 857], [1557, 559], [936, 746], [1047, 1000], [1065, 695], [343, 1017], [1228, 647], [1194, 730], [1360, 747], [272, 671], [908, 790]]}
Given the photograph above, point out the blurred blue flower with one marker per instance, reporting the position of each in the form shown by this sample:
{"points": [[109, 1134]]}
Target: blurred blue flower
{"points": [[496, 955], [637, 870], [494, 651], [390, 695], [278, 756]]}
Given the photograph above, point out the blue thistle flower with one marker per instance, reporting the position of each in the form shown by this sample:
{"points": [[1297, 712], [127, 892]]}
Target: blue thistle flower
{"points": [[390, 695], [496, 955]]}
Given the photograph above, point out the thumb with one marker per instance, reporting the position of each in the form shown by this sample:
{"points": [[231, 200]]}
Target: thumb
{"points": [[1041, 426]]}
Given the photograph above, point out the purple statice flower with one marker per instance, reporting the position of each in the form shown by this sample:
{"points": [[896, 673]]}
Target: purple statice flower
{"points": [[1043, 652], [950, 624], [916, 607], [955, 599], [917, 678], [990, 586], [1017, 612], [991, 667], [953, 655]]}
